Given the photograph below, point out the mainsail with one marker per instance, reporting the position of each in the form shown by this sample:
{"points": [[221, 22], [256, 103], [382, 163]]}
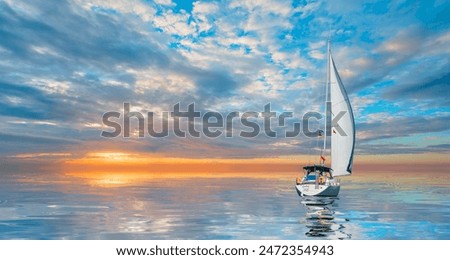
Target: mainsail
{"points": [[343, 130]]}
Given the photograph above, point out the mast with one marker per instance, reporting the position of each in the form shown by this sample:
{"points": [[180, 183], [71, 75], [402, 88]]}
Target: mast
{"points": [[327, 87]]}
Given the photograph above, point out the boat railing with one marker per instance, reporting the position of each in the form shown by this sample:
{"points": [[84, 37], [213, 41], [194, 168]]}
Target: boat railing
{"points": [[335, 182]]}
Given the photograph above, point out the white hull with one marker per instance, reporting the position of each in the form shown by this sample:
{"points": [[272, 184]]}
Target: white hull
{"points": [[309, 189]]}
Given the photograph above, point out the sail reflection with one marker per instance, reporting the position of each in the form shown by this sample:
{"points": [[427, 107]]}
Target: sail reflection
{"points": [[320, 218]]}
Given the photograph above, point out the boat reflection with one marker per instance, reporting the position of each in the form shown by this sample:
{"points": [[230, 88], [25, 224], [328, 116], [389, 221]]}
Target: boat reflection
{"points": [[321, 220]]}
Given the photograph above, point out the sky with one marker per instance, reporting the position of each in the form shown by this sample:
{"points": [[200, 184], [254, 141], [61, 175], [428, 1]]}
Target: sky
{"points": [[63, 64]]}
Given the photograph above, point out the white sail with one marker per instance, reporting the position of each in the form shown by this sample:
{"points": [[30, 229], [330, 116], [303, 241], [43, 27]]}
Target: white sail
{"points": [[343, 130]]}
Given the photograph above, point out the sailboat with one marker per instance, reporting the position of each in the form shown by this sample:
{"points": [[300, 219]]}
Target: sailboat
{"points": [[319, 179]]}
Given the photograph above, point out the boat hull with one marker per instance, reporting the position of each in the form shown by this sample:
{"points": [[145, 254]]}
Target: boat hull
{"points": [[317, 190]]}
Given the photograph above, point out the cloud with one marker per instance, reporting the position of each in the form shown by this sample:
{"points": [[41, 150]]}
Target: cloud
{"points": [[17, 143], [27, 102], [436, 89], [110, 45], [401, 149], [174, 23], [399, 127], [165, 2], [96, 63], [132, 7], [440, 147], [68, 63]]}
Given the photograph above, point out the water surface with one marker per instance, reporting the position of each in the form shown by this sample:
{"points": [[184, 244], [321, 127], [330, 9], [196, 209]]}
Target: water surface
{"points": [[65, 206]]}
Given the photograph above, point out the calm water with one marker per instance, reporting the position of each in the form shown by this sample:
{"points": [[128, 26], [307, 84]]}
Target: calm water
{"points": [[56, 206]]}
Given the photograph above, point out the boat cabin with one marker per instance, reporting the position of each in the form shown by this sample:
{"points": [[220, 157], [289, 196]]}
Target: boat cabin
{"points": [[317, 172]]}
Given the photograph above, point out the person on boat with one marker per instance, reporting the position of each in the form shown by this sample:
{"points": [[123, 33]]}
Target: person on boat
{"points": [[321, 179]]}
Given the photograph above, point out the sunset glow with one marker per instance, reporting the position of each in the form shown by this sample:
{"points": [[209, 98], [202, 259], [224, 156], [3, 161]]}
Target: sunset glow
{"points": [[116, 169]]}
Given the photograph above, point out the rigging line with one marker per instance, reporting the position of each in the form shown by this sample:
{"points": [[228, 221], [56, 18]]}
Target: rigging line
{"points": [[316, 149], [310, 153], [326, 102]]}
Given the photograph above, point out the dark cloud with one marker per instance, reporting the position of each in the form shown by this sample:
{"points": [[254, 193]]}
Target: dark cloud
{"points": [[400, 149], [23, 101], [215, 83], [26, 143], [389, 149], [92, 39], [401, 57], [27, 139], [400, 127], [436, 88], [64, 39], [440, 147]]}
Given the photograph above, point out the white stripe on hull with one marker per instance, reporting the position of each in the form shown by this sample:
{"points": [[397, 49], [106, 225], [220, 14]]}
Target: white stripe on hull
{"points": [[319, 190]]}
